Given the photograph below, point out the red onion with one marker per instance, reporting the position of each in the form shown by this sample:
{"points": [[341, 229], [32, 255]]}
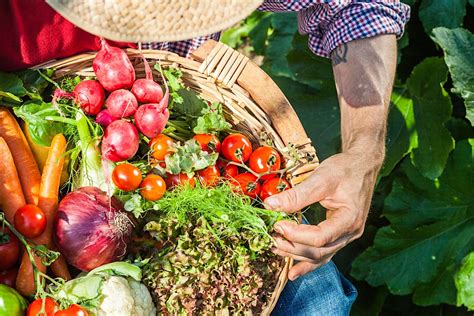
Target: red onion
{"points": [[91, 229]]}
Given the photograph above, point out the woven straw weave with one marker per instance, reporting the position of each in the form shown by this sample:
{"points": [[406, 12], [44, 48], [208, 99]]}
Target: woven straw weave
{"points": [[153, 20]]}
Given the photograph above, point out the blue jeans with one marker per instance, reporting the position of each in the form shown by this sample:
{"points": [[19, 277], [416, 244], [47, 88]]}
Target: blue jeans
{"points": [[324, 291]]}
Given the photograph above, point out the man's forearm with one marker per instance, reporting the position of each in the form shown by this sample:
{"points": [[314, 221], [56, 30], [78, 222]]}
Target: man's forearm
{"points": [[364, 71]]}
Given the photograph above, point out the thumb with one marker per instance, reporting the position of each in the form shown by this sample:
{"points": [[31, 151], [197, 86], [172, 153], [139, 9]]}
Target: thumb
{"points": [[310, 191]]}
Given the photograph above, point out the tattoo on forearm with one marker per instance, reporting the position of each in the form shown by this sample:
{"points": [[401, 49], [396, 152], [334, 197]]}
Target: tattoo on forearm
{"points": [[339, 54]]}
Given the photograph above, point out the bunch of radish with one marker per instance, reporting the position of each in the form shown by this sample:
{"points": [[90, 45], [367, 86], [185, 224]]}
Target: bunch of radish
{"points": [[131, 106]]}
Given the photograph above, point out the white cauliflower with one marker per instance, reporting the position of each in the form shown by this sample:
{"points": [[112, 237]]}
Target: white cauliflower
{"points": [[125, 296]]}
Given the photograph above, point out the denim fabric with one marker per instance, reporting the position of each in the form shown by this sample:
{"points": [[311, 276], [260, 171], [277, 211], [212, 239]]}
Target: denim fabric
{"points": [[324, 291]]}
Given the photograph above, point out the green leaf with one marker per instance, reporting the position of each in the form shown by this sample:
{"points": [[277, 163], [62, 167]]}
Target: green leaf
{"points": [[188, 158], [447, 13], [431, 229], [212, 120], [432, 107], [465, 282], [458, 47], [401, 133], [11, 88], [259, 34], [34, 82]]}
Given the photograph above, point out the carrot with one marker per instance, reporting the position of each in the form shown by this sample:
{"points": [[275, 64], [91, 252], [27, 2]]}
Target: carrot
{"points": [[48, 202], [28, 172], [11, 195]]}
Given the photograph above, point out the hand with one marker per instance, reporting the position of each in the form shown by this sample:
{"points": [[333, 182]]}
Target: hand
{"points": [[343, 184]]}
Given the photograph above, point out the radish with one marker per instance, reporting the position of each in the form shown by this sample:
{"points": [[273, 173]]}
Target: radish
{"points": [[151, 119], [121, 103], [146, 90], [104, 118], [120, 141], [113, 68], [90, 96]]}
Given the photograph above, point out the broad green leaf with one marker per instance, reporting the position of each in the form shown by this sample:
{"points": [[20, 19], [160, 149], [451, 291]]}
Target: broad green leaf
{"points": [[432, 108], [447, 13], [11, 88], [259, 34], [458, 47], [465, 282], [401, 133], [431, 228]]}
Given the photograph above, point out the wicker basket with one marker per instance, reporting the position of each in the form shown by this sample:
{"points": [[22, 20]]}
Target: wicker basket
{"points": [[253, 103]]}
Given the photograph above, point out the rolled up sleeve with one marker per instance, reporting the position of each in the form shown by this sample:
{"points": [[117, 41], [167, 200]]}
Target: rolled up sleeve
{"points": [[332, 23]]}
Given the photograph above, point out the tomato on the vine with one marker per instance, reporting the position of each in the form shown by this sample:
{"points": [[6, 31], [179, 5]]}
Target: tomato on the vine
{"points": [[30, 221], [50, 307], [248, 184], [173, 180], [73, 310], [265, 159], [237, 148], [209, 142], [226, 169], [126, 177], [209, 176], [160, 146], [153, 187], [272, 187], [8, 277], [9, 249]]}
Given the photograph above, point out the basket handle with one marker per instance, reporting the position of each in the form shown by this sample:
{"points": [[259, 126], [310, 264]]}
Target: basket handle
{"points": [[228, 66]]}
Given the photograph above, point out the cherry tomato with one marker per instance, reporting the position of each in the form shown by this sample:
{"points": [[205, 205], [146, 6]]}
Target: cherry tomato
{"points": [[209, 176], [265, 159], [247, 184], [30, 221], [9, 249], [173, 180], [160, 146], [153, 187], [126, 177], [8, 277], [237, 148], [50, 307], [73, 310], [227, 170], [209, 142], [272, 187]]}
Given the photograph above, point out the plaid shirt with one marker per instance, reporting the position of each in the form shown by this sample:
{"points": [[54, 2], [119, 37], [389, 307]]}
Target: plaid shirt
{"points": [[327, 23]]}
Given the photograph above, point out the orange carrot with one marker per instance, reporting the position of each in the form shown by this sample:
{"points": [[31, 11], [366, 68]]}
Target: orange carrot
{"points": [[48, 202], [11, 195], [28, 172]]}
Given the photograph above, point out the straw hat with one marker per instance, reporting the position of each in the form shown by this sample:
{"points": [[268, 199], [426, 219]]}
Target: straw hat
{"points": [[153, 20]]}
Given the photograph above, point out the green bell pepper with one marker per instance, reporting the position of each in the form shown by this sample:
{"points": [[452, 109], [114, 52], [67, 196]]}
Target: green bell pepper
{"points": [[11, 302]]}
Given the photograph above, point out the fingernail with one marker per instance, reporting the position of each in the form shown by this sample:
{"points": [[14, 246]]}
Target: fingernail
{"points": [[279, 229]]}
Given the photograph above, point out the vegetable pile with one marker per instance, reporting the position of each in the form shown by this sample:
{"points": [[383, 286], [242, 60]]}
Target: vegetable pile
{"points": [[138, 175]]}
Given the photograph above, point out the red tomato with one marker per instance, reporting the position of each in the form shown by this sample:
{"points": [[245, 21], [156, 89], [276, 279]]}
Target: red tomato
{"points": [[247, 184], [227, 170], [209, 176], [265, 159], [272, 187], [50, 307], [126, 177], [9, 249], [73, 310], [30, 221], [153, 187], [160, 146], [173, 180], [9, 277], [209, 142], [237, 148]]}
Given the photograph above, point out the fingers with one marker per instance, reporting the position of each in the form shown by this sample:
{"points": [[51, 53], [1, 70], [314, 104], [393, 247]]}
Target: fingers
{"points": [[314, 189], [301, 268], [319, 235]]}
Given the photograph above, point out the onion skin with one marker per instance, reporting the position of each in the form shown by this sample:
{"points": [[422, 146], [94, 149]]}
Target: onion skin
{"points": [[113, 68], [91, 229], [120, 141]]}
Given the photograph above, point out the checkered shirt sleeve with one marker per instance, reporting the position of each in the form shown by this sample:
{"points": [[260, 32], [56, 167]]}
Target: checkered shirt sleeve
{"points": [[182, 48]]}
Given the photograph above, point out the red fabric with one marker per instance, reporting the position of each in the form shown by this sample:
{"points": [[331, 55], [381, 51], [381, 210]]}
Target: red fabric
{"points": [[31, 33]]}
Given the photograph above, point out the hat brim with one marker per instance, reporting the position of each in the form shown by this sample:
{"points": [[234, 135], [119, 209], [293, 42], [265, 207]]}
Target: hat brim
{"points": [[153, 21]]}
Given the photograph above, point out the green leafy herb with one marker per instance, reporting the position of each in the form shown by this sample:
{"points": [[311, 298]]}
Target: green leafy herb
{"points": [[465, 282], [212, 120], [11, 88], [188, 158]]}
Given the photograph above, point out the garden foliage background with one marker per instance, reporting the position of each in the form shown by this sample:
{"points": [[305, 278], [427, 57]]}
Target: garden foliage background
{"points": [[421, 225]]}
